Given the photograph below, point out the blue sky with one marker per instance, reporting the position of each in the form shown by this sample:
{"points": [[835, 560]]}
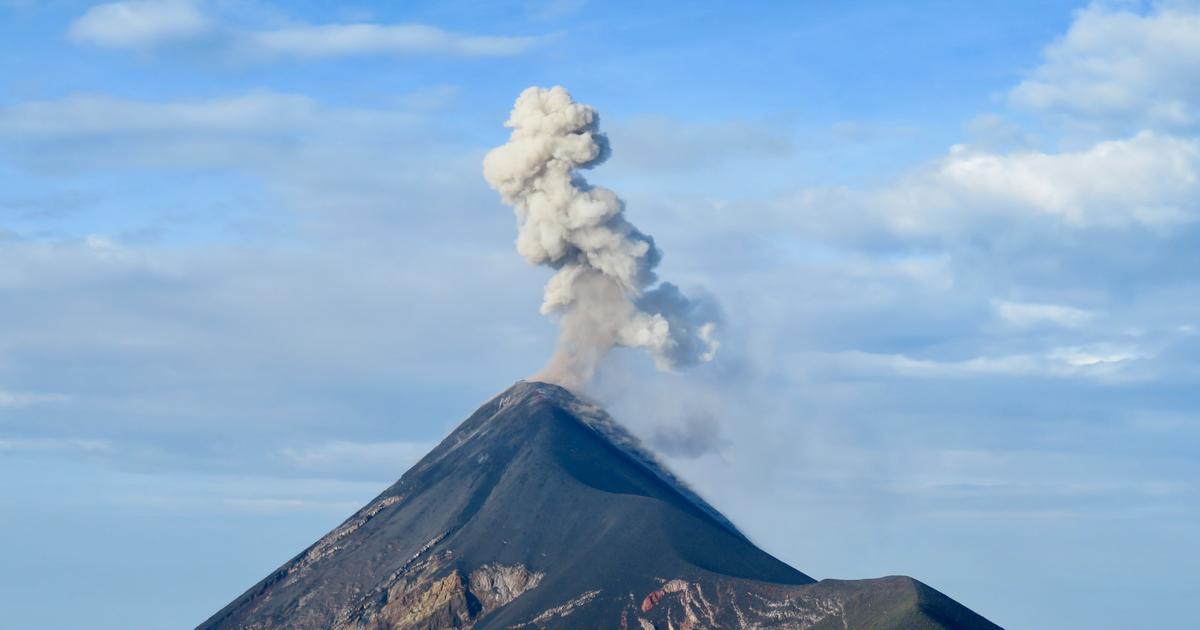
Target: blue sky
{"points": [[250, 272]]}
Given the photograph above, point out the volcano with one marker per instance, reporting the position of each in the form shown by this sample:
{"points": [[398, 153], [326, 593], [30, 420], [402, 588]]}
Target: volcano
{"points": [[539, 511]]}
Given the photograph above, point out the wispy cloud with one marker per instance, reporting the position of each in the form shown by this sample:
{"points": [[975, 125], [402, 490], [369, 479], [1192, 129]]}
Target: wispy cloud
{"points": [[348, 155], [139, 24], [1103, 361], [68, 446], [148, 25], [81, 117], [1029, 314], [290, 505], [12, 400], [383, 459], [338, 40]]}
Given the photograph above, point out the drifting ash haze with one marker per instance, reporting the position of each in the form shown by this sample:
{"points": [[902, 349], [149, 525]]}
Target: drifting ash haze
{"points": [[604, 289]]}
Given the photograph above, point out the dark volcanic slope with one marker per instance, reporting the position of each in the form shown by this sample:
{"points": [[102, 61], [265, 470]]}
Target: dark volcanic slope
{"points": [[540, 512]]}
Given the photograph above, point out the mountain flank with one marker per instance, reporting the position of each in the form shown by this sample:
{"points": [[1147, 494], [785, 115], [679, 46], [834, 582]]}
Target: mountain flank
{"points": [[539, 511]]}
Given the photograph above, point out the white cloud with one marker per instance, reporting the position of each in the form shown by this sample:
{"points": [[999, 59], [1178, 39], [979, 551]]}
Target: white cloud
{"points": [[289, 505], [67, 446], [1025, 314], [12, 400], [160, 24], [1122, 65], [140, 24], [339, 40], [1149, 179], [91, 116], [1104, 362], [388, 458], [263, 133], [209, 493]]}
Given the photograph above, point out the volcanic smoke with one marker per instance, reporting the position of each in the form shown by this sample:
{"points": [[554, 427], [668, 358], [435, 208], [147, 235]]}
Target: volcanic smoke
{"points": [[605, 291]]}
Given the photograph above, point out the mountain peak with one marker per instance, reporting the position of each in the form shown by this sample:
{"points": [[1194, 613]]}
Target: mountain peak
{"points": [[540, 510], [595, 417]]}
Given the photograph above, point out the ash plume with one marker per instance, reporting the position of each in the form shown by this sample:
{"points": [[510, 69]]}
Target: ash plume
{"points": [[694, 436], [604, 291]]}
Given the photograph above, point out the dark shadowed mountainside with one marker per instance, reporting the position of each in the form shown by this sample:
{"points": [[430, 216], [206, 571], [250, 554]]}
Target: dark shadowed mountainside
{"points": [[539, 511]]}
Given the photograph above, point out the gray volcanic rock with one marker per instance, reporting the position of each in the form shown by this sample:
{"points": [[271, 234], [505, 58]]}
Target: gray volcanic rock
{"points": [[539, 511]]}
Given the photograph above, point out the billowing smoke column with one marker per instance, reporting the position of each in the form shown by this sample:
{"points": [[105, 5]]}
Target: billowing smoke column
{"points": [[602, 289]]}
